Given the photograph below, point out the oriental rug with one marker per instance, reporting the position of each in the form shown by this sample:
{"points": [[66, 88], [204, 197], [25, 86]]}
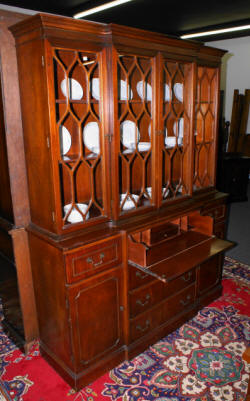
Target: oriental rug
{"points": [[201, 361]]}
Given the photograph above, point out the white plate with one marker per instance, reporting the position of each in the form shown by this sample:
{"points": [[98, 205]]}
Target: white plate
{"points": [[166, 194], [149, 191], [123, 91], [128, 134], [91, 137], [75, 89], [170, 141], [178, 91], [167, 96], [144, 146], [95, 88], [129, 204], [75, 216], [65, 140], [148, 90], [180, 127]]}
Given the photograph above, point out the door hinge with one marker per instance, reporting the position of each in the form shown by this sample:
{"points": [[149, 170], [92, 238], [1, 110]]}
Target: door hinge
{"points": [[53, 216], [42, 61], [48, 142]]}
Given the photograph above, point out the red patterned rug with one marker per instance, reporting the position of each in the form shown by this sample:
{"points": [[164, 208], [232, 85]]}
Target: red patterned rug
{"points": [[201, 361]]}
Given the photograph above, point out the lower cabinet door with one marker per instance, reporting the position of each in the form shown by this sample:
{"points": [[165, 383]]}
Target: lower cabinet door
{"points": [[96, 318]]}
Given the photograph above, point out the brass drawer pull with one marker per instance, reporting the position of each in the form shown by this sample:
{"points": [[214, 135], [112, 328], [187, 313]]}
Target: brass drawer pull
{"points": [[186, 278], [147, 299], [142, 276], [142, 329], [184, 303], [90, 260]]}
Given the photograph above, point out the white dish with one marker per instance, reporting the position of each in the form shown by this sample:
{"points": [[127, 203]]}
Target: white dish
{"points": [[123, 91], [75, 89], [65, 140], [91, 137], [148, 90], [75, 216], [164, 195], [129, 134], [178, 91], [149, 192], [128, 204], [167, 96], [180, 127], [170, 141], [143, 146], [95, 88]]}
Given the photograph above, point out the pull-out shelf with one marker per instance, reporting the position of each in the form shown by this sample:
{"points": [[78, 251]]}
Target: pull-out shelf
{"points": [[173, 258]]}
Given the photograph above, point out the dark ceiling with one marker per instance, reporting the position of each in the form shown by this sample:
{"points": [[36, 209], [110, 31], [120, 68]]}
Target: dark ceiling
{"points": [[170, 17]]}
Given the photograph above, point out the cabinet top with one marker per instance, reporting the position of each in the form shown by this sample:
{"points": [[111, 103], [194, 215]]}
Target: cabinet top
{"points": [[48, 26]]}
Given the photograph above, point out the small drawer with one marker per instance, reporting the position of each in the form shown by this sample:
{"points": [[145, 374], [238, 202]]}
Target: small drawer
{"points": [[143, 298], [137, 277], [93, 259], [167, 310], [218, 213]]}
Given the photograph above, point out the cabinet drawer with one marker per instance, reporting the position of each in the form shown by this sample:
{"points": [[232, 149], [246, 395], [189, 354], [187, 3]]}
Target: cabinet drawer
{"points": [[145, 297], [93, 259], [218, 213], [162, 312]]}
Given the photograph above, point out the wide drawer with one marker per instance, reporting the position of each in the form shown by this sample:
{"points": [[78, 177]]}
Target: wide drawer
{"points": [[93, 259], [145, 297], [174, 266], [165, 310]]}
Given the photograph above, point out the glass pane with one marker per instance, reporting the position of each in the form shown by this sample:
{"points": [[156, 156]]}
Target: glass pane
{"points": [[176, 125], [205, 124], [77, 96], [135, 123]]}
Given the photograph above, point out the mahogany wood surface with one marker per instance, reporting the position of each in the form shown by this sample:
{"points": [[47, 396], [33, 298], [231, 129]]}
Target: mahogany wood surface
{"points": [[123, 222]]}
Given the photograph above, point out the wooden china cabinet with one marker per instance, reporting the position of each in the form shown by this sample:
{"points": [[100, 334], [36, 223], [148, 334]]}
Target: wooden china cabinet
{"points": [[126, 231]]}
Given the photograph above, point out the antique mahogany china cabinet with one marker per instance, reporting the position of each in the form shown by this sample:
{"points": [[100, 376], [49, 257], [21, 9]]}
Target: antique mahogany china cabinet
{"points": [[126, 232]]}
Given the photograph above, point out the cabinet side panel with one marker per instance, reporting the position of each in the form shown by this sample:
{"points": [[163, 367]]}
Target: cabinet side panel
{"points": [[48, 275], [36, 131], [6, 210]]}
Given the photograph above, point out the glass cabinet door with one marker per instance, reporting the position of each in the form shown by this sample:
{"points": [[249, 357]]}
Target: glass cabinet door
{"points": [[205, 127], [78, 127], [175, 116], [135, 95]]}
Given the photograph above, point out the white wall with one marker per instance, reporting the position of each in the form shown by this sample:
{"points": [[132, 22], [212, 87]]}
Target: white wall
{"points": [[235, 72]]}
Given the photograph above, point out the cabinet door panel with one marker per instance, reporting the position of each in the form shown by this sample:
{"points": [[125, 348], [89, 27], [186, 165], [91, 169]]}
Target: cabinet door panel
{"points": [[205, 127], [210, 273], [96, 317], [134, 98], [77, 95], [175, 124]]}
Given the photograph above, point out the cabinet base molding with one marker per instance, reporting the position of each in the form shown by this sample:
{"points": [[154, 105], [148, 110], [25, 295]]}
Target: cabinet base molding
{"points": [[79, 380]]}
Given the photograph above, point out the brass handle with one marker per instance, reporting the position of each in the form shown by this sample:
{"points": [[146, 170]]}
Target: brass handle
{"points": [[184, 303], [147, 299], [142, 329], [186, 278], [91, 261], [142, 276]]}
